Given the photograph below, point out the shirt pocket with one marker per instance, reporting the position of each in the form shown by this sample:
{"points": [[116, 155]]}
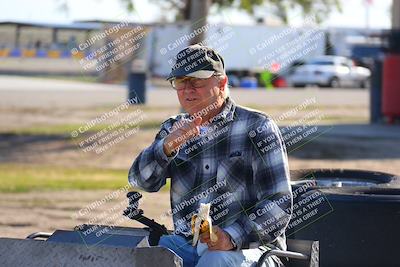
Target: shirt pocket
{"points": [[232, 174], [183, 177]]}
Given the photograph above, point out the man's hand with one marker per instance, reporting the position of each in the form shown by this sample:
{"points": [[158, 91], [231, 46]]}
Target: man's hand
{"points": [[223, 242], [185, 131]]}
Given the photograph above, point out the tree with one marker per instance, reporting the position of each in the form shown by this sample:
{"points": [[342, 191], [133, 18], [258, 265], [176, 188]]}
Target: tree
{"points": [[318, 8]]}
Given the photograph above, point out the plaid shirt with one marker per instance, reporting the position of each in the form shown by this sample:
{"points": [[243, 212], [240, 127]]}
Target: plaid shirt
{"points": [[238, 163]]}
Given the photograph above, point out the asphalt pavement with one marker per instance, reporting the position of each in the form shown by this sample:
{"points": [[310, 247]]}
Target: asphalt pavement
{"points": [[27, 92]]}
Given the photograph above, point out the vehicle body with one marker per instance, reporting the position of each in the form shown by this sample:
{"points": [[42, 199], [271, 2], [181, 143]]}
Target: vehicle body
{"points": [[330, 71]]}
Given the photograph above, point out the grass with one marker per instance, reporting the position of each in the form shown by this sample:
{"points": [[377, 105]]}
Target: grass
{"points": [[144, 108], [78, 78], [67, 129], [286, 108], [55, 129], [24, 178], [331, 120]]}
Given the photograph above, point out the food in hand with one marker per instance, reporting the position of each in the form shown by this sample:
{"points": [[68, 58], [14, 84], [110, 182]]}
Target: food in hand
{"points": [[201, 223]]}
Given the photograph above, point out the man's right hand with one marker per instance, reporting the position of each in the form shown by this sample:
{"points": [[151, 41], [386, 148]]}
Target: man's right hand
{"points": [[180, 135]]}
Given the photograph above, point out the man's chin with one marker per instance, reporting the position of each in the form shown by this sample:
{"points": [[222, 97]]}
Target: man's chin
{"points": [[191, 110]]}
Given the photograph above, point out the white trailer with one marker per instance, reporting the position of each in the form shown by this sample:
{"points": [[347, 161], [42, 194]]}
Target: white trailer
{"points": [[244, 48]]}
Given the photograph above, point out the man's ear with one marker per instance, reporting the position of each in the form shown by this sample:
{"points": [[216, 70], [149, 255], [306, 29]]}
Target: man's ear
{"points": [[223, 82]]}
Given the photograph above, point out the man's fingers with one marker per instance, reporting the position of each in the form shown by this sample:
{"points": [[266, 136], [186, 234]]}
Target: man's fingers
{"points": [[197, 121], [223, 242], [216, 230], [205, 238], [194, 126], [206, 234], [189, 129], [183, 133], [214, 248]]}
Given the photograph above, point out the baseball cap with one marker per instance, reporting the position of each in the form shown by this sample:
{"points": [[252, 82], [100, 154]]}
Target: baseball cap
{"points": [[197, 61]]}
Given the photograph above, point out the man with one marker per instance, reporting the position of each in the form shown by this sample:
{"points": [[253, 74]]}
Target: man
{"points": [[219, 153]]}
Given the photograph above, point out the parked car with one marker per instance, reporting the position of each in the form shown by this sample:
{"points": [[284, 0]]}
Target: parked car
{"points": [[330, 71]]}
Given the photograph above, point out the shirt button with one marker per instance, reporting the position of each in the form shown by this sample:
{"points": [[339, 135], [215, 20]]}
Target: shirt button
{"points": [[207, 167]]}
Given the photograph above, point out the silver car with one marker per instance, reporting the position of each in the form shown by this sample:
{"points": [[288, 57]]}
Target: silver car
{"points": [[331, 71]]}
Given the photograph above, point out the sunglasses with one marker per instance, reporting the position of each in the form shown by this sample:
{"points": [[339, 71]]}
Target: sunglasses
{"points": [[180, 83]]}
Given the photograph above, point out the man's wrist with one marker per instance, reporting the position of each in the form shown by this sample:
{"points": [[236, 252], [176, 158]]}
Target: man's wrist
{"points": [[234, 246], [236, 233], [233, 243], [168, 151]]}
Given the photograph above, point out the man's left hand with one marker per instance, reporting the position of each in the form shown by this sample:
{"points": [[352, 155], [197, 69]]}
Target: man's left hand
{"points": [[223, 242]]}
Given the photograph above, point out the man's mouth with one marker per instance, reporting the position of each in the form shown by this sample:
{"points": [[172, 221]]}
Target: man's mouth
{"points": [[189, 99]]}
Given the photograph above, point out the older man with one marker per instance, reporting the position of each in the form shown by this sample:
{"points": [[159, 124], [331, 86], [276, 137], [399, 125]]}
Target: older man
{"points": [[219, 153]]}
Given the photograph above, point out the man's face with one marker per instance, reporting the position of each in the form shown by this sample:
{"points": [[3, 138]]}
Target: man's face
{"points": [[195, 95]]}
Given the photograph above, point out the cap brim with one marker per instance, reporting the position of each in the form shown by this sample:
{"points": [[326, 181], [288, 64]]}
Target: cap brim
{"points": [[201, 74]]}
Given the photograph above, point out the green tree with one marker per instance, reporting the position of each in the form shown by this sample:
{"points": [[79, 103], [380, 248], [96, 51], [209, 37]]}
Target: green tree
{"points": [[318, 8]]}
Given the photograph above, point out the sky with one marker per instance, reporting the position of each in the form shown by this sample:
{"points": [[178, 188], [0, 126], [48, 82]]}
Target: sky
{"points": [[353, 14]]}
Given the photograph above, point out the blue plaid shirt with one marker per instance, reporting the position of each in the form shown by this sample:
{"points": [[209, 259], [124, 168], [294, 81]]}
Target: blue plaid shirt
{"points": [[238, 163]]}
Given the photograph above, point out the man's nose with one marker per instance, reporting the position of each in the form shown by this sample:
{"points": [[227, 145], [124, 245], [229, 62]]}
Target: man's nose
{"points": [[189, 86]]}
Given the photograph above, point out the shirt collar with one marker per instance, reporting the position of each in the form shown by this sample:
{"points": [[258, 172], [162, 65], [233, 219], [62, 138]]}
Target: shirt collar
{"points": [[226, 113]]}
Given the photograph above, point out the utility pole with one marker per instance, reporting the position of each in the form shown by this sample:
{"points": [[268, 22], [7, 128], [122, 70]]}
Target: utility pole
{"points": [[367, 4], [198, 18], [396, 15]]}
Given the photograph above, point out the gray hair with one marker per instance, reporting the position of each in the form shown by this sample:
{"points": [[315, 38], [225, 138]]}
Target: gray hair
{"points": [[226, 87]]}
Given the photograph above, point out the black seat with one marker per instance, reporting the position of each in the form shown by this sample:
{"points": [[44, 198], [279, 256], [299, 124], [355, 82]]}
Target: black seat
{"points": [[300, 253]]}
